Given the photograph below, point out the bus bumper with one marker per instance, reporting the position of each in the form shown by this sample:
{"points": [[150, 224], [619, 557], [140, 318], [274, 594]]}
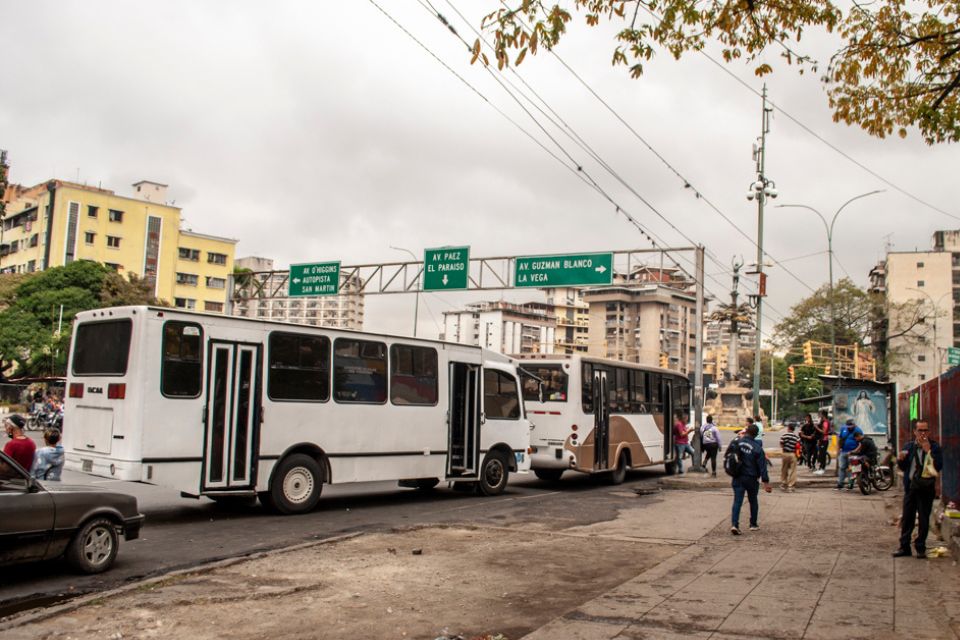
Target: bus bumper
{"points": [[104, 467], [552, 457]]}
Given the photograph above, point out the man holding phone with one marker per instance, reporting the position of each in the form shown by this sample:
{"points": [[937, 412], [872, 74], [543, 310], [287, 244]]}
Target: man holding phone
{"points": [[919, 487]]}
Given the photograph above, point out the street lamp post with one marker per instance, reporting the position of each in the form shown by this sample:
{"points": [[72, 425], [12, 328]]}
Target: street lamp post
{"points": [[416, 301], [829, 229]]}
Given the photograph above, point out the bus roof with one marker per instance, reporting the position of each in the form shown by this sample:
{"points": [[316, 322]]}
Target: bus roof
{"points": [[550, 358]]}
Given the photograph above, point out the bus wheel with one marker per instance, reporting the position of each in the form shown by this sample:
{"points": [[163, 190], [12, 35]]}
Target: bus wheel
{"points": [[296, 484], [670, 468], [550, 475], [618, 475], [493, 474]]}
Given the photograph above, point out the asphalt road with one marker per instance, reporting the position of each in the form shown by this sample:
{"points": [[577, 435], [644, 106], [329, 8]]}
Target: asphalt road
{"points": [[181, 532]]}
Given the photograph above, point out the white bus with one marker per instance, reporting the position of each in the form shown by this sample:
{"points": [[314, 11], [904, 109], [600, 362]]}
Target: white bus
{"points": [[227, 407], [601, 416]]}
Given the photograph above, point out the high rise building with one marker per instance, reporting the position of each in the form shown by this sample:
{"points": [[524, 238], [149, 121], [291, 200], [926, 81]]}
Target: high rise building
{"points": [[514, 329], [922, 289], [344, 311], [57, 222]]}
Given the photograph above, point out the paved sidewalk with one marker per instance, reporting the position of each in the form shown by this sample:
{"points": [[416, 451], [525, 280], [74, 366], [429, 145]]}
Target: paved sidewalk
{"points": [[819, 568]]}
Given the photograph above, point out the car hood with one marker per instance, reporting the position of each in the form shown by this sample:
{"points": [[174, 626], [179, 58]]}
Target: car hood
{"points": [[56, 487]]}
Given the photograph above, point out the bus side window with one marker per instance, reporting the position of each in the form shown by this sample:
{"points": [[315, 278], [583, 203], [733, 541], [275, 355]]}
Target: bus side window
{"points": [[413, 375], [653, 392], [359, 371], [299, 367], [500, 398], [638, 391], [181, 373], [587, 387]]}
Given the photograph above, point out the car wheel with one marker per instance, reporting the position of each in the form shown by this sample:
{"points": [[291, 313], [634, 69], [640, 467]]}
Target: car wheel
{"points": [[550, 475], [296, 485], [493, 474], [94, 547]]}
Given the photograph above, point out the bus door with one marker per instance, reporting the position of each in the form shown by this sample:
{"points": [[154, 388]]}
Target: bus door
{"points": [[463, 420], [601, 420], [666, 394], [231, 415]]}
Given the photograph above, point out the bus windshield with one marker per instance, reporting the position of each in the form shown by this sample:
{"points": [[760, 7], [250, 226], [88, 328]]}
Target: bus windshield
{"points": [[554, 383]]}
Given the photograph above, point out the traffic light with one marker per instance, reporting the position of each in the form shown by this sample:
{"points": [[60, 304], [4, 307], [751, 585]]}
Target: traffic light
{"points": [[792, 374], [807, 353], [663, 360]]}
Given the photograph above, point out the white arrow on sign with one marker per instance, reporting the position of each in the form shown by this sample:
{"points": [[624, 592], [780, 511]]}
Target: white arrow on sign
{"points": [[445, 279], [296, 281], [600, 269]]}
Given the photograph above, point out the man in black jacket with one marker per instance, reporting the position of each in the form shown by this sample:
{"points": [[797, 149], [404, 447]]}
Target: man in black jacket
{"points": [[918, 490], [752, 472]]}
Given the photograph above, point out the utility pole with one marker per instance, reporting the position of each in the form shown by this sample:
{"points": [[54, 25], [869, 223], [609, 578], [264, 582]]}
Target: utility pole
{"points": [[4, 168], [698, 393], [761, 189]]}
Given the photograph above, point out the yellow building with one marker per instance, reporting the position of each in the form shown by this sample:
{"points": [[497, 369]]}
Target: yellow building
{"points": [[56, 222]]}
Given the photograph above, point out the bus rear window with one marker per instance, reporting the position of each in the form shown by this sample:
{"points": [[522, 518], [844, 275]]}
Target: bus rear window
{"points": [[554, 383], [102, 348], [181, 374]]}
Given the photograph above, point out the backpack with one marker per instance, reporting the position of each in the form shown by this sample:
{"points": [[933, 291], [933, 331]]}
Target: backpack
{"points": [[733, 459]]}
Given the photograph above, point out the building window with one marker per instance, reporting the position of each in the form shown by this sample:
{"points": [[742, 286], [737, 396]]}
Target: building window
{"points": [[919, 265], [113, 241], [216, 307], [921, 358], [189, 254], [922, 377], [188, 279], [113, 265], [31, 266], [919, 283], [115, 215], [216, 258], [92, 211], [216, 283], [89, 237], [185, 303]]}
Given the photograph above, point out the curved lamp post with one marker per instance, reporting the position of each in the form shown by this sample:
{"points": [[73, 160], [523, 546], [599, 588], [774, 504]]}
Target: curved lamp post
{"points": [[828, 227]]}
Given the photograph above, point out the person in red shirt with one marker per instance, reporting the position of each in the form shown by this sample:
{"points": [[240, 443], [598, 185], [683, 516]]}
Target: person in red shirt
{"points": [[20, 448], [681, 439]]}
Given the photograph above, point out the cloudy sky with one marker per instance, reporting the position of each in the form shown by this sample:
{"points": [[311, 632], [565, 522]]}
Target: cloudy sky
{"points": [[315, 131]]}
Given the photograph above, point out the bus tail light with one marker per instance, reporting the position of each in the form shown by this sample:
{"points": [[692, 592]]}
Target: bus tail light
{"points": [[117, 391], [76, 389], [573, 427]]}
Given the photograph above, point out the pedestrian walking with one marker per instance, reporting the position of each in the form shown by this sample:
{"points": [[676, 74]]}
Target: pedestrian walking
{"points": [[921, 462], [757, 420], [848, 442], [710, 437], [788, 459], [808, 441], [824, 431], [751, 470], [20, 448], [681, 433], [48, 461]]}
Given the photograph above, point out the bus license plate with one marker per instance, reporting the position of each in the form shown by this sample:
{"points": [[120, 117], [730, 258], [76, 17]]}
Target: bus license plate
{"points": [[854, 468], [87, 466]]}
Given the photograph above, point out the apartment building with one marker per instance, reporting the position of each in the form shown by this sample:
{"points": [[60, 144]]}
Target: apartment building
{"points": [[928, 284], [57, 222], [650, 324], [343, 311], [506, 327], [572, 315]]}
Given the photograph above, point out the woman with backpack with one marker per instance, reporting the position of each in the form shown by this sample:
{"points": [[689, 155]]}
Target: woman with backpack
{"points": [[710, 438]]}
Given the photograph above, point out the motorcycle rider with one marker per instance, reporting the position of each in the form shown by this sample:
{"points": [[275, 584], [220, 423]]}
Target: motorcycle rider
{"points": [[848, 443], [866, 449]]}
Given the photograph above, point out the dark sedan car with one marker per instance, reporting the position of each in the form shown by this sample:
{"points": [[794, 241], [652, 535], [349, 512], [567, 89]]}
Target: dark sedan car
{"points": [[49, 520]]}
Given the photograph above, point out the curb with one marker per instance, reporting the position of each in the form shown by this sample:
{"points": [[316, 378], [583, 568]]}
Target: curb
{"points": [[36, 615]]}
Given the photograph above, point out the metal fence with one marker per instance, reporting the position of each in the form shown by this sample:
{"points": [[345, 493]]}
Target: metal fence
{"points": [[937, 402]]}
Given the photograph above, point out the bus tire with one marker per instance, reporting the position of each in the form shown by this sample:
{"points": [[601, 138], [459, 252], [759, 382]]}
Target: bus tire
{"points": [[550, 475], [494, 474], [670, 468], [297, 483], [619, 474], [266, 501]]}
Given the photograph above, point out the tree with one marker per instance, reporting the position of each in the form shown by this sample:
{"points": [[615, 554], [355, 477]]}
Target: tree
{"points": [[899, 66], [34, 339]]}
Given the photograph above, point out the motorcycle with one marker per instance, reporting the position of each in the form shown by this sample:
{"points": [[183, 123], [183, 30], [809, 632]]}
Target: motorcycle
{"points": [[869, 476]]}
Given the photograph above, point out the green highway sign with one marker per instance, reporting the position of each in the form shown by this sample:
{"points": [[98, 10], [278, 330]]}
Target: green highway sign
{"points": [[446, 268], [563, 271], [953, 356], [314, 279]]}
